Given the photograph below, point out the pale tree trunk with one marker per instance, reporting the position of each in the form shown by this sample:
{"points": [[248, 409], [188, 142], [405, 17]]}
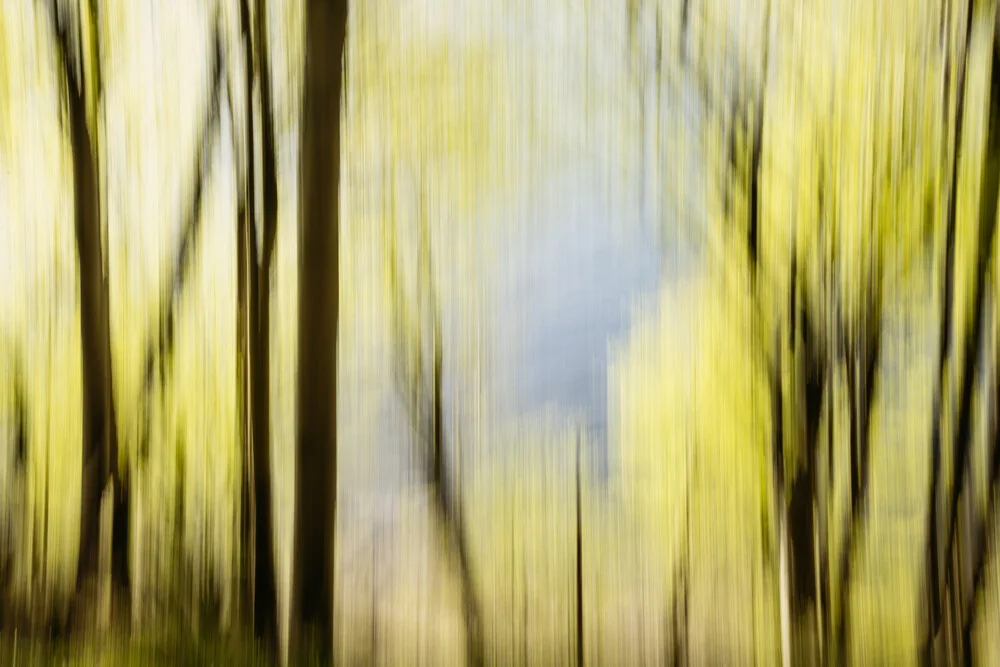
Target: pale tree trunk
{"points": [[784, 586], [780, 507]]}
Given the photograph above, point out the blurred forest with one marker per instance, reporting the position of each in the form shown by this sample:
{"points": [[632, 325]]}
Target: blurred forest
{"points": [[606, 332]]}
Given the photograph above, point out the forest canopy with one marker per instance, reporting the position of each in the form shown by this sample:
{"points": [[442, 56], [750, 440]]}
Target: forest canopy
{"points": [[509, 332]]}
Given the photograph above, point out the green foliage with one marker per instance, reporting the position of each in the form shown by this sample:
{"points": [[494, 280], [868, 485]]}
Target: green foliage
{"points": [[444, 128]]}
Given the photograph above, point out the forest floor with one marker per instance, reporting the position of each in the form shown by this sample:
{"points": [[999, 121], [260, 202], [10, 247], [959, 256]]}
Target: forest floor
{"points": [[116, 648]]}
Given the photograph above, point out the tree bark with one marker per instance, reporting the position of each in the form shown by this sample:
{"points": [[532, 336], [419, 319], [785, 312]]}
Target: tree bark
{"points": [[100, 432], [254, 286], [753, 228], [974, 339], [984, 526], [579, 561], [778, 473], [954, 548], [933, 567], [449, 510], [316, 439], [860, 398]]}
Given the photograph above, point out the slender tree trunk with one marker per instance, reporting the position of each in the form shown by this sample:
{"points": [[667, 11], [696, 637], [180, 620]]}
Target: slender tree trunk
{"points": [[266, 604], [265, 593], [681, 640], [685, 20], [825, 622], [255, 325], [985, 525], [933, 580], [973, 349], [245, 413], [753, 228], [451, 518], [579, 561], [781, 507], [809, 373], [955, 547], [100, 433], [860, 398], [316, 439]]}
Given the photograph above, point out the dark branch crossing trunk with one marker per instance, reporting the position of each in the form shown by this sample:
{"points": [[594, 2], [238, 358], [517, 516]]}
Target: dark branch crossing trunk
{"points": [[425, 403], [160, 348]]}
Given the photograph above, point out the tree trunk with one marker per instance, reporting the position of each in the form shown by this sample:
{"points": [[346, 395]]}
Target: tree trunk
{"points": [[984, 526], [254, 286], [316, 440], [265, 594], [781, 509], [449, 509], [100, 436], [579, 561], [933, 567], [753, 226], [962, 565], [809, 367], [973, 351]]}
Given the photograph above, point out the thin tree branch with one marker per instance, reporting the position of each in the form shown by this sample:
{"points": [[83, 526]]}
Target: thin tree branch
{"points": [[423, 399], [268, 169], [755, 155], [162, 346]]}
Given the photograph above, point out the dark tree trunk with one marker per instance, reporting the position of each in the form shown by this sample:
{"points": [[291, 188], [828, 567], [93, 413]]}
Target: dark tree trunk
{"points": [[254, 337], [316, 439], [265, 595], [753, 227], [449, 509], [421, 386], [579, 561], [801, 517], [973, 348], [685, 20], [962, 605], [810, 368], [247, 497], [985, 524], [933, 578], [100, 436], [861, 396]]}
